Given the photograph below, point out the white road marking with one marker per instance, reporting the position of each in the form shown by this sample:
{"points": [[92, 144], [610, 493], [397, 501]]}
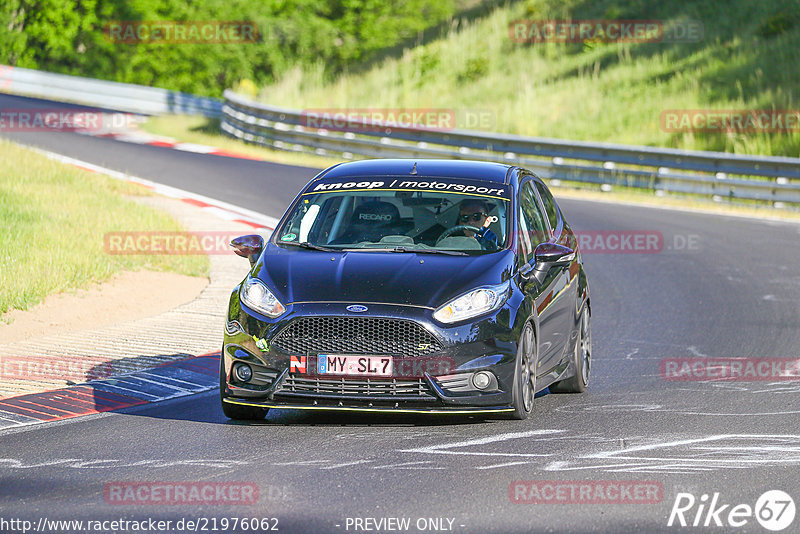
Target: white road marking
{"points": [[444, 448], [423, 464], [389, 466], [507, 464], [347, 464], [14, 421], [158, 383], [133, 138], [221, 213], [83, 464], [721, 451], [18, 464], [173, 192], [159, 379], [192, 147], [79, 463], [300, 462], [627, 408], [136, 392]]}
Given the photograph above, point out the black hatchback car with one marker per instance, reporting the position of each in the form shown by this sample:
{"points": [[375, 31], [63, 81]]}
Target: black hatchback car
{"points": [[409, 286]]}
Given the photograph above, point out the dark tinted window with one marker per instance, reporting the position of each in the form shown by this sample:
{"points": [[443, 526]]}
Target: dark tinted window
{"points": [[549, 205]]}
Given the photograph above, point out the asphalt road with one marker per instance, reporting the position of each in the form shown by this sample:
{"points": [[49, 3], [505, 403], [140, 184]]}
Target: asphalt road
{"points": [[721, 287]]}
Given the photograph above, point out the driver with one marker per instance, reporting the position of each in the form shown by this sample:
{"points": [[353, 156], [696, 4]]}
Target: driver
{"points": [[475, 212]]}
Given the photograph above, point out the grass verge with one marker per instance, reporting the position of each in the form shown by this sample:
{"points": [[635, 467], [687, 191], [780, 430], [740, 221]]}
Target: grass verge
{"points": [[745, 58], [54, 218]]}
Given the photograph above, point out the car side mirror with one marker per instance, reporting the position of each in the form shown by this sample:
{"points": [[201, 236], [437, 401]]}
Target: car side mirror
{"points": [[548, 254], [248, 246]]}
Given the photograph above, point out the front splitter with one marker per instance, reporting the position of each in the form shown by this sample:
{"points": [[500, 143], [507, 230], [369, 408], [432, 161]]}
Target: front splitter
{"points": [[372, 409]]}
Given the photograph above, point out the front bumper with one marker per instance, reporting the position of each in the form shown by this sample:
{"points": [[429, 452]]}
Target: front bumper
{"points": [[438, 382], [380, 409]]}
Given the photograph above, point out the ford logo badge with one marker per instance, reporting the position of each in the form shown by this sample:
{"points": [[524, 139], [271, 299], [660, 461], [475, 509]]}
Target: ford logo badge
{"points": [[357, 308]]}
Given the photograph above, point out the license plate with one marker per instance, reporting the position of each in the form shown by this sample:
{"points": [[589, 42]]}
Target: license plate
{"points": [[337, 364]]}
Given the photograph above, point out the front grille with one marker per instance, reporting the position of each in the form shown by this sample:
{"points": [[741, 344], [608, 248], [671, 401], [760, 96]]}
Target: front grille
{"points": [[356, 335], [364, 388]]}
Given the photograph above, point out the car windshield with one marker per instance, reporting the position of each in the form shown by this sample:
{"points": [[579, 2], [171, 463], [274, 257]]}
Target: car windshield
{"points": [[399, 221]]}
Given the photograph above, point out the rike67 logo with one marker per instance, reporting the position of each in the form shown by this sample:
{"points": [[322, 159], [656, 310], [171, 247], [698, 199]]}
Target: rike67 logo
{"points": [[774, 510]]}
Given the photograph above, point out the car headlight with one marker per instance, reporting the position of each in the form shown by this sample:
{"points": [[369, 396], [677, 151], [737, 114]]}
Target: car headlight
{"points": [[476, 302], [256, 295]]}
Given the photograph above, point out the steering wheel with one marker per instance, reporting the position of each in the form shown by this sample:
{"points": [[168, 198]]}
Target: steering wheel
{"points": [[453, 229]]}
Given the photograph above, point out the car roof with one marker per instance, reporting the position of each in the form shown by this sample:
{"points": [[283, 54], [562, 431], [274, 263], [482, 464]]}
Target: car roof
{"points": [[431, 168]]}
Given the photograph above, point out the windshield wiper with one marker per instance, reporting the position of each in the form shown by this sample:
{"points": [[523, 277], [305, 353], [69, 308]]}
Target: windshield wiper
{"points": [[429, 251], [306, 244]]}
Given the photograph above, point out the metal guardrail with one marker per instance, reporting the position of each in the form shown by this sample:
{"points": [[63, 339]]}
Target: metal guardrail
{"points": [[104, 94], [716, 174]]}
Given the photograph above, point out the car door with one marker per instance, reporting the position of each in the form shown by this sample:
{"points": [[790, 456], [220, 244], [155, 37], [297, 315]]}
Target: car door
{"points": [[534, 229], [557, 302]]}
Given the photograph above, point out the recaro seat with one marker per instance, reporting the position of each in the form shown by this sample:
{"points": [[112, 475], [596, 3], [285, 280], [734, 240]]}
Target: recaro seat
{"points": [[370, 222]]}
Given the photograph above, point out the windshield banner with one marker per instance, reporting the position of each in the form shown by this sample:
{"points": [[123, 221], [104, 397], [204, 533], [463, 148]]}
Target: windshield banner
{"points": [[441, 185]]}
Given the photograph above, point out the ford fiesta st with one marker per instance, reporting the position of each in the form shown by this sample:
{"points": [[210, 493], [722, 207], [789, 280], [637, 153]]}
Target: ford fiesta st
{"points": [[409, 286]]}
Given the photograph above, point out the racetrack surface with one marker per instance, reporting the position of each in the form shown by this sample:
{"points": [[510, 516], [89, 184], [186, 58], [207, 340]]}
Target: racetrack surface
{"points": [[734, 294]]}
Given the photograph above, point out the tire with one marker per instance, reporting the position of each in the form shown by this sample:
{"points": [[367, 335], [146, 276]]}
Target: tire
{"points": [[582, 361], [235, 411], [524, 375]]}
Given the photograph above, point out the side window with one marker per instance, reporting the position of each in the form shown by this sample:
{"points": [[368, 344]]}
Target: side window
{"points": [[532, 227], [525, 245], [538, 226], [549, 205]]}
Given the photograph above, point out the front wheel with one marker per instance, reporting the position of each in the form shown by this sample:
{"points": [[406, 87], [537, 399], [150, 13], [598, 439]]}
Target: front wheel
{"points": [[582, 359], [235, 411], [525, 375]]}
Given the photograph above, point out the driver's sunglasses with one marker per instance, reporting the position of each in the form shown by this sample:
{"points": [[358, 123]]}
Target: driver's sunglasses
{"points": [[477, 216]]}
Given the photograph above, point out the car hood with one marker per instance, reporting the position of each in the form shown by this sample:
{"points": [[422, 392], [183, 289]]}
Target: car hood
{"points": [[297, 275]]}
